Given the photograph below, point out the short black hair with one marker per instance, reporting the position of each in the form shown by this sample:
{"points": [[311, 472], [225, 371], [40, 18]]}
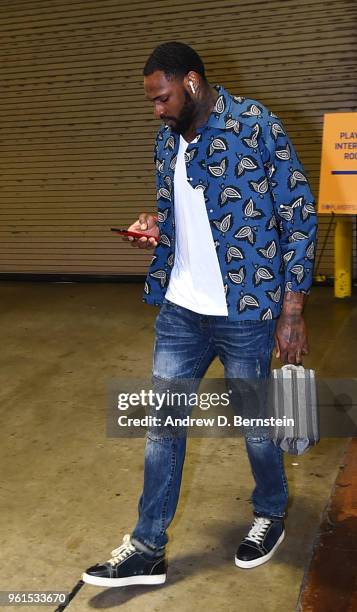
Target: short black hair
{"points": [[175, 59]]}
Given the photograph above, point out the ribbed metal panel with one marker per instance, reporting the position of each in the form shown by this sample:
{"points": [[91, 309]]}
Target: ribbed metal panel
{"points": [[76, 135]]}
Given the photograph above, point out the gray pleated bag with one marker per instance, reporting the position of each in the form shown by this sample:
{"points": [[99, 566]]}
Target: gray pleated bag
{"points": [[294, 397]]}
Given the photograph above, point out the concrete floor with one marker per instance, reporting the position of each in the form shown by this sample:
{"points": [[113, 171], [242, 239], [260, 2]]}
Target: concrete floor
{"points": [[69, 494]]}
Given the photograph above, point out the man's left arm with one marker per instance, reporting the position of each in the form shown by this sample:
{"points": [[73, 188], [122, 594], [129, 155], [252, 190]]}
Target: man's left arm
{"points": [[297, 222], [291, 333]]}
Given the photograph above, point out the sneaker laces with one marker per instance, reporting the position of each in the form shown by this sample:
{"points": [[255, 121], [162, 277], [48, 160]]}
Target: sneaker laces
{"points": [[257, 532], [123, 551]]}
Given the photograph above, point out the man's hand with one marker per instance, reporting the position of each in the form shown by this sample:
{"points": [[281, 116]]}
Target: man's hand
{"points": [[291, 333], [146, 223]]}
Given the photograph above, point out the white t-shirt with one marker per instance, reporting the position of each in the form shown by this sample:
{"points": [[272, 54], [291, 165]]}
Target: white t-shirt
{"points": [[196, 280]]}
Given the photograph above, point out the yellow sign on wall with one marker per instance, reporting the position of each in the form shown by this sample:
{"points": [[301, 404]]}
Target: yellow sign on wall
{"points": [[338, 175]]}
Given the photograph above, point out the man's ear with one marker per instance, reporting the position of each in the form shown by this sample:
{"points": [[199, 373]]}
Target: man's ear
{"points": [[191, 83]]}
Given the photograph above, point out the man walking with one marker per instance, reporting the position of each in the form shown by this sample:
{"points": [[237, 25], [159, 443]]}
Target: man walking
{"points": [[234, 250]]}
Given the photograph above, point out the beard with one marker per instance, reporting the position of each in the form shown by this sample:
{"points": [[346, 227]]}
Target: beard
{"points": [[183, 122]]}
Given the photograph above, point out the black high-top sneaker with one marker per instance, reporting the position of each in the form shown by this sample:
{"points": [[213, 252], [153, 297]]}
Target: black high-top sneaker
{"points": [[127, 566], [264, 537]]}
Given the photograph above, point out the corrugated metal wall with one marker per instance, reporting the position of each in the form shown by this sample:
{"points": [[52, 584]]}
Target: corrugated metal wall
{"points": [[76, 134]]}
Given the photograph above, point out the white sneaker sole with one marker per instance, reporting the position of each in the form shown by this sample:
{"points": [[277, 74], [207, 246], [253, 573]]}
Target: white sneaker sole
{"points": [[120, 582], [261, 560]]}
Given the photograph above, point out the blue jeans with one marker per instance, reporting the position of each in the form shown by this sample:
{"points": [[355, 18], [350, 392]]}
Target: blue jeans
{"points": [[185, 345]]}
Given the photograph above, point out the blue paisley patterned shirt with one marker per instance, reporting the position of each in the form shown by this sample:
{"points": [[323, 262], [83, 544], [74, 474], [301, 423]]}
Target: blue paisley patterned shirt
{"points": [[259, 205]]}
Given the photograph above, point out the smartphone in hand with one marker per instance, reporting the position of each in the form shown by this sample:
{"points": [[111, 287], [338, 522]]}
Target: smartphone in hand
{"points": [[124, 232]]}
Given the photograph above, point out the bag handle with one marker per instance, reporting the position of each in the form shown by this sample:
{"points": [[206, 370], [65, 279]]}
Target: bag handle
{"points": [[291, 366]]}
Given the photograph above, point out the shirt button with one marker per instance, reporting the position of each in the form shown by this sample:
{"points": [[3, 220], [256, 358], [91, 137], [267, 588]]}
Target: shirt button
{"points": [[211, 209], [190, 178]]}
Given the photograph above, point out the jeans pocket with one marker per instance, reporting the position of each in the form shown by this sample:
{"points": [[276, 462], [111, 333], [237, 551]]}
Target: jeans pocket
{"points": [[172, 305]]}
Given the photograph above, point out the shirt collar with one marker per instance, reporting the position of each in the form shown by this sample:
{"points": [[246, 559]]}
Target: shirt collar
{"points": [[222, 107]]}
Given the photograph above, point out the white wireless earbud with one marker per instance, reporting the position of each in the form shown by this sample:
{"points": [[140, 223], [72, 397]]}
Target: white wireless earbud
{"points": [[192, 87]]}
